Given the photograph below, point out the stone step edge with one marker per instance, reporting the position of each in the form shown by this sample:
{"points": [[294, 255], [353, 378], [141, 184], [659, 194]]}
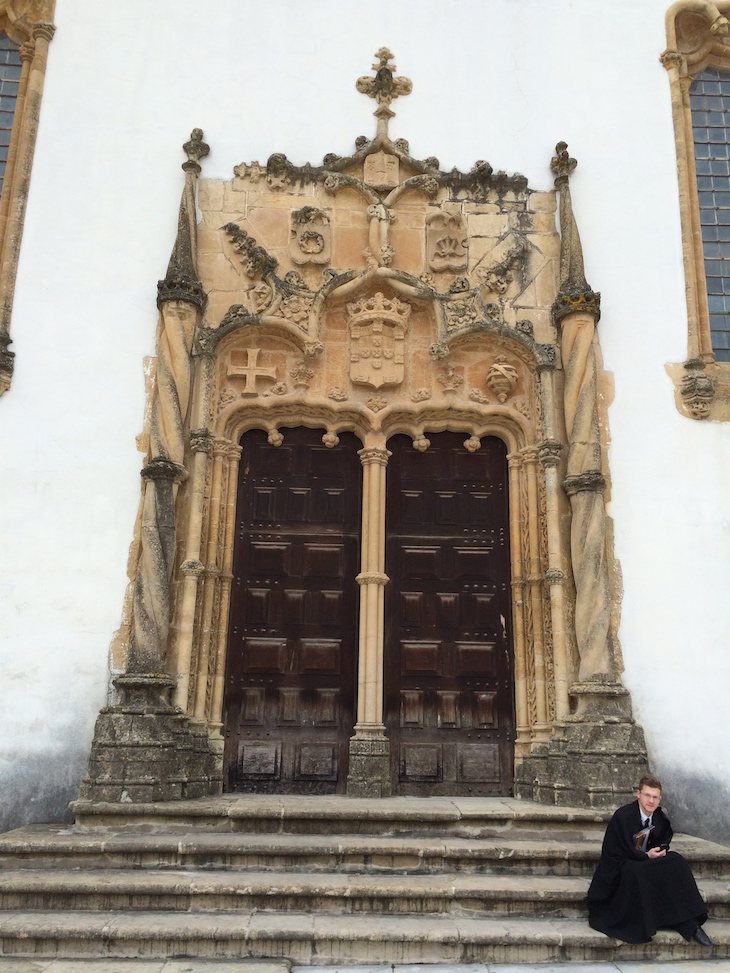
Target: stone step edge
{"points": [[433, 927], [333, 807], [51, 838], [213, 882]]}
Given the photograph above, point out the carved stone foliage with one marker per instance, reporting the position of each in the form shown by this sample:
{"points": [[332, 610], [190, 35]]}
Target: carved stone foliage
{"points": [[451, 379], [311, 236], [254, 258], [378, 327], [447, 244]]}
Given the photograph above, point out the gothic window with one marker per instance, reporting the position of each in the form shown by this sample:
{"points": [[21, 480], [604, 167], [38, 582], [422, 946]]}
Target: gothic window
{"points": [[709, 96], [24, 44], [9, 78], [697, 60]]}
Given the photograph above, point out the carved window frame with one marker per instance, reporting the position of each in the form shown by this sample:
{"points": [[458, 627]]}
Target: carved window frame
{"points": [[29, 24], [698, 36]]}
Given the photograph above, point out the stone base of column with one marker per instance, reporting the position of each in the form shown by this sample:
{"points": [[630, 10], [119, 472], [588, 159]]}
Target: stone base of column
{"points": [[369, 772], [595, 757], [145, 749]]}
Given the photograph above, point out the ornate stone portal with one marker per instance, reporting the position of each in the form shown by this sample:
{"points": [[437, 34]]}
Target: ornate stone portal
{"points": [[380, 295]]}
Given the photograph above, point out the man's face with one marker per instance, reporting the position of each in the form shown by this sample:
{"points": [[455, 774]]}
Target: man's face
{"points": [[649, 798]]}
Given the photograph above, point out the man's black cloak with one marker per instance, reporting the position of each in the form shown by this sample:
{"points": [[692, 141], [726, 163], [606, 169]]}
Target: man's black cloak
{"points": [[632, 895]]}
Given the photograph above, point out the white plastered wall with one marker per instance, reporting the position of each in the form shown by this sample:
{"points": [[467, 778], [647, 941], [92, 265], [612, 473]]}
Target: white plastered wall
{"points": [[502, 80]]}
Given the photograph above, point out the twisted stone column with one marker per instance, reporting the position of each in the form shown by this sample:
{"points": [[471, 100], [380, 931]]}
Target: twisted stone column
{"points": [[146, 749], [584, 484], [576, 311], [596, 753]]}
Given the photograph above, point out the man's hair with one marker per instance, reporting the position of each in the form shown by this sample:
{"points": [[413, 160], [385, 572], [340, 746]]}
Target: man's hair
{"points": [[649, 780]]}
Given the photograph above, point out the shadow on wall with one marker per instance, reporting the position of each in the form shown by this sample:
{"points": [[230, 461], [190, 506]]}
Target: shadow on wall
{"points": [[37, 788], [697, 804]]}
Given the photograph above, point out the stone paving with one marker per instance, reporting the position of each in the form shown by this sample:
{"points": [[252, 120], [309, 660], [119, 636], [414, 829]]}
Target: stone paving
{"points": [[23, 965]]}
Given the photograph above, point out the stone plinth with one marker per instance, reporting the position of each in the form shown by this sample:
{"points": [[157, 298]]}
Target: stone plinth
{"points": [[595, 757], [369, 774], [145, 749]]}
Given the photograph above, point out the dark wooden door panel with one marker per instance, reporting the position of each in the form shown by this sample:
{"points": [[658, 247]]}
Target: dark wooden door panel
{"points": [[290, 676], [448, 651]]}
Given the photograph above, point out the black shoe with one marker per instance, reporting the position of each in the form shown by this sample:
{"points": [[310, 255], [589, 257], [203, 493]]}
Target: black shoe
{"points": [[701, 937]]}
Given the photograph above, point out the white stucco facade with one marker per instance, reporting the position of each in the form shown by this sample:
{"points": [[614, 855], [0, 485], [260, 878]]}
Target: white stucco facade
{"points": [[502, 81]]}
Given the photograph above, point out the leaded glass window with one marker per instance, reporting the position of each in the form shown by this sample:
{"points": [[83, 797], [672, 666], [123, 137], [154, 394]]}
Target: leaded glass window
{"points": [[710, 103]]}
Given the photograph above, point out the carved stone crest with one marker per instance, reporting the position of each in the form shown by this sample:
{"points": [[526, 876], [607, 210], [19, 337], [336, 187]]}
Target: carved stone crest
{"points": [[502, 378], [310, 241], [381, 170], [378, 327], [250, 370], [446, 239]]}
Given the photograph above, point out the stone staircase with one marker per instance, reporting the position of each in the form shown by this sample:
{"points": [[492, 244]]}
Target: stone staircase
{"points": [[327, 881]]}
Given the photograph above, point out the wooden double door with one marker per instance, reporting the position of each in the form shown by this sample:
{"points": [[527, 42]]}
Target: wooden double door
{"points": [[290, 700]]}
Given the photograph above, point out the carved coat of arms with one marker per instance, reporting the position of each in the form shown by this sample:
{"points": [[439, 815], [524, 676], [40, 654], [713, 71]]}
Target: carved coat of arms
{"points": [[378, 326], [311, 236]]}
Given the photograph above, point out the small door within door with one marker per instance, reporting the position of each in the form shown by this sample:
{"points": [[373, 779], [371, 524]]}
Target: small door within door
{"points": [[448, 649], [292, 641]]}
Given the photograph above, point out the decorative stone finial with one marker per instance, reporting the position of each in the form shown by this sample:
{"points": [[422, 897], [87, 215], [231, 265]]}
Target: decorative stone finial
{"points": [[195, 149], [181, 281], [384, 87], [574, 295], [562, 164]]}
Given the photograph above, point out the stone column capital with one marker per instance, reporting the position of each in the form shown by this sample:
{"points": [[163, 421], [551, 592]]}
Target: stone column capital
{"points": [[160, 468], [550, 450], [530, 455], [44, 30], [201, 441], [591, 481], [378, 455]]}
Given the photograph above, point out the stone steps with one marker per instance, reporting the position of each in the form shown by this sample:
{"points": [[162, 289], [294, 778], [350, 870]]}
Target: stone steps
{"points": [[303, 814], [167, 891], [37, 845], [326, 881], [329, 940]]}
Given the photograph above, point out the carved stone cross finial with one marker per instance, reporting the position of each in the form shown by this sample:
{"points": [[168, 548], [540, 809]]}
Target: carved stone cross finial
{"points": [[196, 149], [384, 87], [562, 164]]}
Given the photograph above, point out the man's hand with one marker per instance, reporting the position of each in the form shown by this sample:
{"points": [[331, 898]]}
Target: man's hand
{"points": [[656, 852]]}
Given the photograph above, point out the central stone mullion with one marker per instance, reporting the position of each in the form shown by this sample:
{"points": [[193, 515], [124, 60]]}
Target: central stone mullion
{"points": [[369, 768]]}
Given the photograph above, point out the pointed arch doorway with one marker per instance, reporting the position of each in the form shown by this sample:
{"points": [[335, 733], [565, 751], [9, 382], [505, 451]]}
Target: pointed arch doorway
{"points": [[292, 638], [449, 659]]}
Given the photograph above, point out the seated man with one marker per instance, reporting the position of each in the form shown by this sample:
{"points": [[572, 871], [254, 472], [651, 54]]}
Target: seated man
{"points": [[640, 886]]}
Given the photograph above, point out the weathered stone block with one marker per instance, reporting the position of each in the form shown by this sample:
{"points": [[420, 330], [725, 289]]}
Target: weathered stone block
{"points": [[369, 773]]}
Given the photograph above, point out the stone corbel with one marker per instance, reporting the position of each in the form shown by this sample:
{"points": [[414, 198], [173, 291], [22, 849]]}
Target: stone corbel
{"points": [[695, 390]]}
